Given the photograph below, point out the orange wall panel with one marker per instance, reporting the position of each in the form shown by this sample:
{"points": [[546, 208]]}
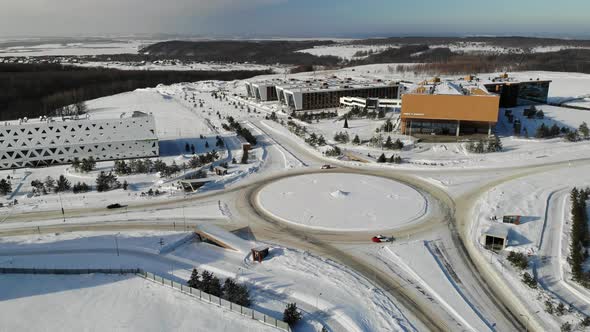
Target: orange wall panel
{"points": [[451, 107]]}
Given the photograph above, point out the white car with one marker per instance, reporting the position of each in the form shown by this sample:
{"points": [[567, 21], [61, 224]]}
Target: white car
{"points": [[327, 167]]}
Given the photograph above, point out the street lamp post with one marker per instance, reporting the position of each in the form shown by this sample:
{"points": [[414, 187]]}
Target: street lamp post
{"points": [[317, 300], [117, 243]]}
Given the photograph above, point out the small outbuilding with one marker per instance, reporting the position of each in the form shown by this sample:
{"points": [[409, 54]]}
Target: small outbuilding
{"points": [[259, 253], [219, 170], [515, 220], [495, 238]]}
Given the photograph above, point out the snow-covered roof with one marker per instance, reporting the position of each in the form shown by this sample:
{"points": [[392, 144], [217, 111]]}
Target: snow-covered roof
{"points": [[80, 118], [499, 231]]}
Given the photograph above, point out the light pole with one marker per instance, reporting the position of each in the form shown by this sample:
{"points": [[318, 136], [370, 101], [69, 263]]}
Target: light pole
{"points": [[117, 243], [317, 300], [63, 213]]}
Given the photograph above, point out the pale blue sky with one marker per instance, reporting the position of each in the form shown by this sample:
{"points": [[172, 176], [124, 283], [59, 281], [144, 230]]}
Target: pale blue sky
{"points": [[305, 18]]}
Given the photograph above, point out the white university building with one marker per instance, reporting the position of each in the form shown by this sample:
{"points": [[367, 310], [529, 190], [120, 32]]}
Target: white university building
{"points": [[46, 141]]}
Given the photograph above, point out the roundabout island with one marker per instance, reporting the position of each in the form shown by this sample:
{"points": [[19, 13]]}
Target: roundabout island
{"points": [[343, 202]]}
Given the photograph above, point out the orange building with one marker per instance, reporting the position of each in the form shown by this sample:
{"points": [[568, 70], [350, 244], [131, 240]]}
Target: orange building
{"points": [[449, 114]]}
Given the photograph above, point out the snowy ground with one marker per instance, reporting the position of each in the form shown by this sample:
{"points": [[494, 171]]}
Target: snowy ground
{"points": [[73, 49], [343, 202], [348, 50], [109, 303], [346, 301], [530, 198], [180, 66]]}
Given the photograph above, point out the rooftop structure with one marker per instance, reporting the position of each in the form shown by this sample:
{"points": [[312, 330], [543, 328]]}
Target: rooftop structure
{"points": [[48, 141], [371, 103]]}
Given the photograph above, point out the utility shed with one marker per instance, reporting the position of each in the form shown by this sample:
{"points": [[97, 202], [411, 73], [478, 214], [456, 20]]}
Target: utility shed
{"points": [[259, 253], [219, 170], [495, 238]]}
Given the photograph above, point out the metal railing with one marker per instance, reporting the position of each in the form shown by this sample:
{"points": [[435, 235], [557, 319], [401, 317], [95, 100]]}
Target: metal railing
{"points": [[212, 299]]}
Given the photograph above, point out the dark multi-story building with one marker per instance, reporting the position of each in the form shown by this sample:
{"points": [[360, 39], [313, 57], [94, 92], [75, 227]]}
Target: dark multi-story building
{"points": [[306, 97], [515, 93]]}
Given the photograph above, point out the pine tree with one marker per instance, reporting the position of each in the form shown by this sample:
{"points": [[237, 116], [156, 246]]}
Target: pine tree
{"points": [[5, 187], [388, 143], [583, 129], [345, 123], [76, 164], [356, 140], [187, 148], [382, 158], [62, 184], [554, 131], [49, 183], [125, 185], [291, 315], [194, 281]]}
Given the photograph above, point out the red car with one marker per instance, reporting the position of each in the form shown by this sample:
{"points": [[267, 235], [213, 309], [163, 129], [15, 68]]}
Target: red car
{"points": [[381, 238]]}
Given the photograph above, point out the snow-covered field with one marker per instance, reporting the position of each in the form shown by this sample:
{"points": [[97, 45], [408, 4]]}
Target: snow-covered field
{"points": [[181, 66], [108, 303], [348, 50], [343, 202], [73, 49]]}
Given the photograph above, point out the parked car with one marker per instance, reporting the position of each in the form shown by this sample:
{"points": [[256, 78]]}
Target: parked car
{"points": [[382, 238], [327, 166], [115, 206]]}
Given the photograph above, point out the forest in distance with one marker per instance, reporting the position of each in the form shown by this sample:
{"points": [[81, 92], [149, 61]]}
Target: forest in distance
{"points": [[34, 90]]}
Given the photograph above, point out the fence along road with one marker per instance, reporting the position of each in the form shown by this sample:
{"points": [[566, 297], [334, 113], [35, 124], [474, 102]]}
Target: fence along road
{"points": [[196, 293]]}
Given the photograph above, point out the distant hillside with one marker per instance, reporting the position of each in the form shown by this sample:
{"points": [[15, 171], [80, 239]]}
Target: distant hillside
{"points": [[261, 52], [509, 42]]}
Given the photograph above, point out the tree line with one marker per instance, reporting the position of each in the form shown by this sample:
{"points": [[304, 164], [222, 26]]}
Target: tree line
{"points": [[579, 235], [34, 90]]}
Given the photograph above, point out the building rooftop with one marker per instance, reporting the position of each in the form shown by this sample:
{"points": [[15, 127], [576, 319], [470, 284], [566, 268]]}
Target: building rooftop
{"points": [[437, 87], [333, 84], [72, 118]]}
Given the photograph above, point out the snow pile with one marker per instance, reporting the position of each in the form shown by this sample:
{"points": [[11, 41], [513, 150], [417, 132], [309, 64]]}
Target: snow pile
{"points": [[339, 194]]}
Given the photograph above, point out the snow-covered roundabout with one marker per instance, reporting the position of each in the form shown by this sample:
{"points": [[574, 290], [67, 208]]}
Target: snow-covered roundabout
{"points": [[343, 202]]}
